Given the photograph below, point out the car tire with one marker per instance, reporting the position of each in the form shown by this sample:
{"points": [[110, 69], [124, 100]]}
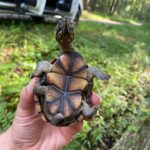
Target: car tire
{"points": [[37, 18], [78, 15]]}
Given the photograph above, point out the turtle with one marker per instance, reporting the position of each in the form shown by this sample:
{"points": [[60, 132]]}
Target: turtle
{"points": [[63, 91]]}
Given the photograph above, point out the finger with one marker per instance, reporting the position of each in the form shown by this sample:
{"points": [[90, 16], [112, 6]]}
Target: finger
{"points": [[95, 100], [26, 102], [69, 132], [74, 128]]}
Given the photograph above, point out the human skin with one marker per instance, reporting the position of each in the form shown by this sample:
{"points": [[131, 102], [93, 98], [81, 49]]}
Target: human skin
{"points": [[30, 132]]}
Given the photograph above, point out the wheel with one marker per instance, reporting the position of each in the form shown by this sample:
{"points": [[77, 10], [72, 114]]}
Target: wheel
{"points": [[37, 18]]}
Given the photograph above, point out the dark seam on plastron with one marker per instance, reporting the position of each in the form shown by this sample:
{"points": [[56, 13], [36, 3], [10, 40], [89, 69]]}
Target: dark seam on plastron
{"points": [[62, 92], [74, 92], [53, 100], [67, 78], [61, 65], [69, 75], [72, 57], [61, 109], [57, 89], [80, 69], [70, 103]]}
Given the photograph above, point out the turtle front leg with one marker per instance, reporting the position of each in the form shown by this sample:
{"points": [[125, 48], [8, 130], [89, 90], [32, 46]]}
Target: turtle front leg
{"points": [[42, 67], [88, 112], [95, 72]]}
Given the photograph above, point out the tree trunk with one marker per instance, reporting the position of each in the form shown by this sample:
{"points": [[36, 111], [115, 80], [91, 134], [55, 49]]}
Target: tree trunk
{"points": [[143, 6], [139, 140], [113, 7], [122, 5], [85, 3], [93, 5]]}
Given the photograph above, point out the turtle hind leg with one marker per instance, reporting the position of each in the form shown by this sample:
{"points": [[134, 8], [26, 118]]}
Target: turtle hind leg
{"points": [[57, 119], [95, 72], [88, 112]]}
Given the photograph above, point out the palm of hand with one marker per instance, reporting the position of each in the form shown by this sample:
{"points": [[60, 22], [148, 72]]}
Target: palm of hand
{"points": [[29, 131]]}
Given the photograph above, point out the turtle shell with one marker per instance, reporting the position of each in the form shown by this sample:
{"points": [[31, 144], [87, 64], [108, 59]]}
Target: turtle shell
{"points": [[66, 83]]}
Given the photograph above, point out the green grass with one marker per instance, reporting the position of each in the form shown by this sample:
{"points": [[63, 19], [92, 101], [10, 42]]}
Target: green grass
{"points": [[121, 51], [103, 17]]}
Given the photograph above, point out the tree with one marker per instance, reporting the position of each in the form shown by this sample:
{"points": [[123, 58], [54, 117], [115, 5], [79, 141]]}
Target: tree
{"points": [[139, 140], [85, 3], [124, 8], [113, 7]]}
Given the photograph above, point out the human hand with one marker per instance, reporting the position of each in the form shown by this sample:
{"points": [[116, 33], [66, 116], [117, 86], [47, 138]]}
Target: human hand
{"points": [[29, 131]]}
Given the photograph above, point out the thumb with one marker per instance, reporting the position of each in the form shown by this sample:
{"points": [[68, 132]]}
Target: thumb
{"points": [[26, 102]]}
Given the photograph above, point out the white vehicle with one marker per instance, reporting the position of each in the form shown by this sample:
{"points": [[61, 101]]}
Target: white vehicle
{"points": [[42, 8]]}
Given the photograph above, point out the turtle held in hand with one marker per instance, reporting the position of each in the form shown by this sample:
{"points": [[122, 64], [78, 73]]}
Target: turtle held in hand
{"points": [[64, 88]]}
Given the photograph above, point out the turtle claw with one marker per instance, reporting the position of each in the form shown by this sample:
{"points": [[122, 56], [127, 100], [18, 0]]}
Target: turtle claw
{"points": [[95, 72], [103, 76], [88, 112], [57, 119]]}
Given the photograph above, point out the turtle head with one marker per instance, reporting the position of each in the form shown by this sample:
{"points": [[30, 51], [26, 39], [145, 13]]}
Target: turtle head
{"points": [[65, 33]]}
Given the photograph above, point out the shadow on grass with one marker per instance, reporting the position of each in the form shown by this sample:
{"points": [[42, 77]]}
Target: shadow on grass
{"points": [[113, 40]]}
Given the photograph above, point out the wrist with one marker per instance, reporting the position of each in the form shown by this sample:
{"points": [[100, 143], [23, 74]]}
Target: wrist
{"points": [[6, 140]]}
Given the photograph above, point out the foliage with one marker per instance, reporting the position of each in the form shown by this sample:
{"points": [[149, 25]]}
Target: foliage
{"points": [[121, 51], [5, 117], [138, 138], [125, 8]]}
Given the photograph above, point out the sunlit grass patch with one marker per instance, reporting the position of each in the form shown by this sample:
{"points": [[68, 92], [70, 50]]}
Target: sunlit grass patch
{"points": [[121, 51], [90, 15], [109, 19]]}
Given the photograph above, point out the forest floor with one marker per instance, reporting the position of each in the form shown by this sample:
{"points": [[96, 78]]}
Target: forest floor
{"points": [[87, 16]]}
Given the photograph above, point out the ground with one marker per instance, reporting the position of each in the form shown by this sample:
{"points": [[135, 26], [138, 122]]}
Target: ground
{"points": [[119, 50]]}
